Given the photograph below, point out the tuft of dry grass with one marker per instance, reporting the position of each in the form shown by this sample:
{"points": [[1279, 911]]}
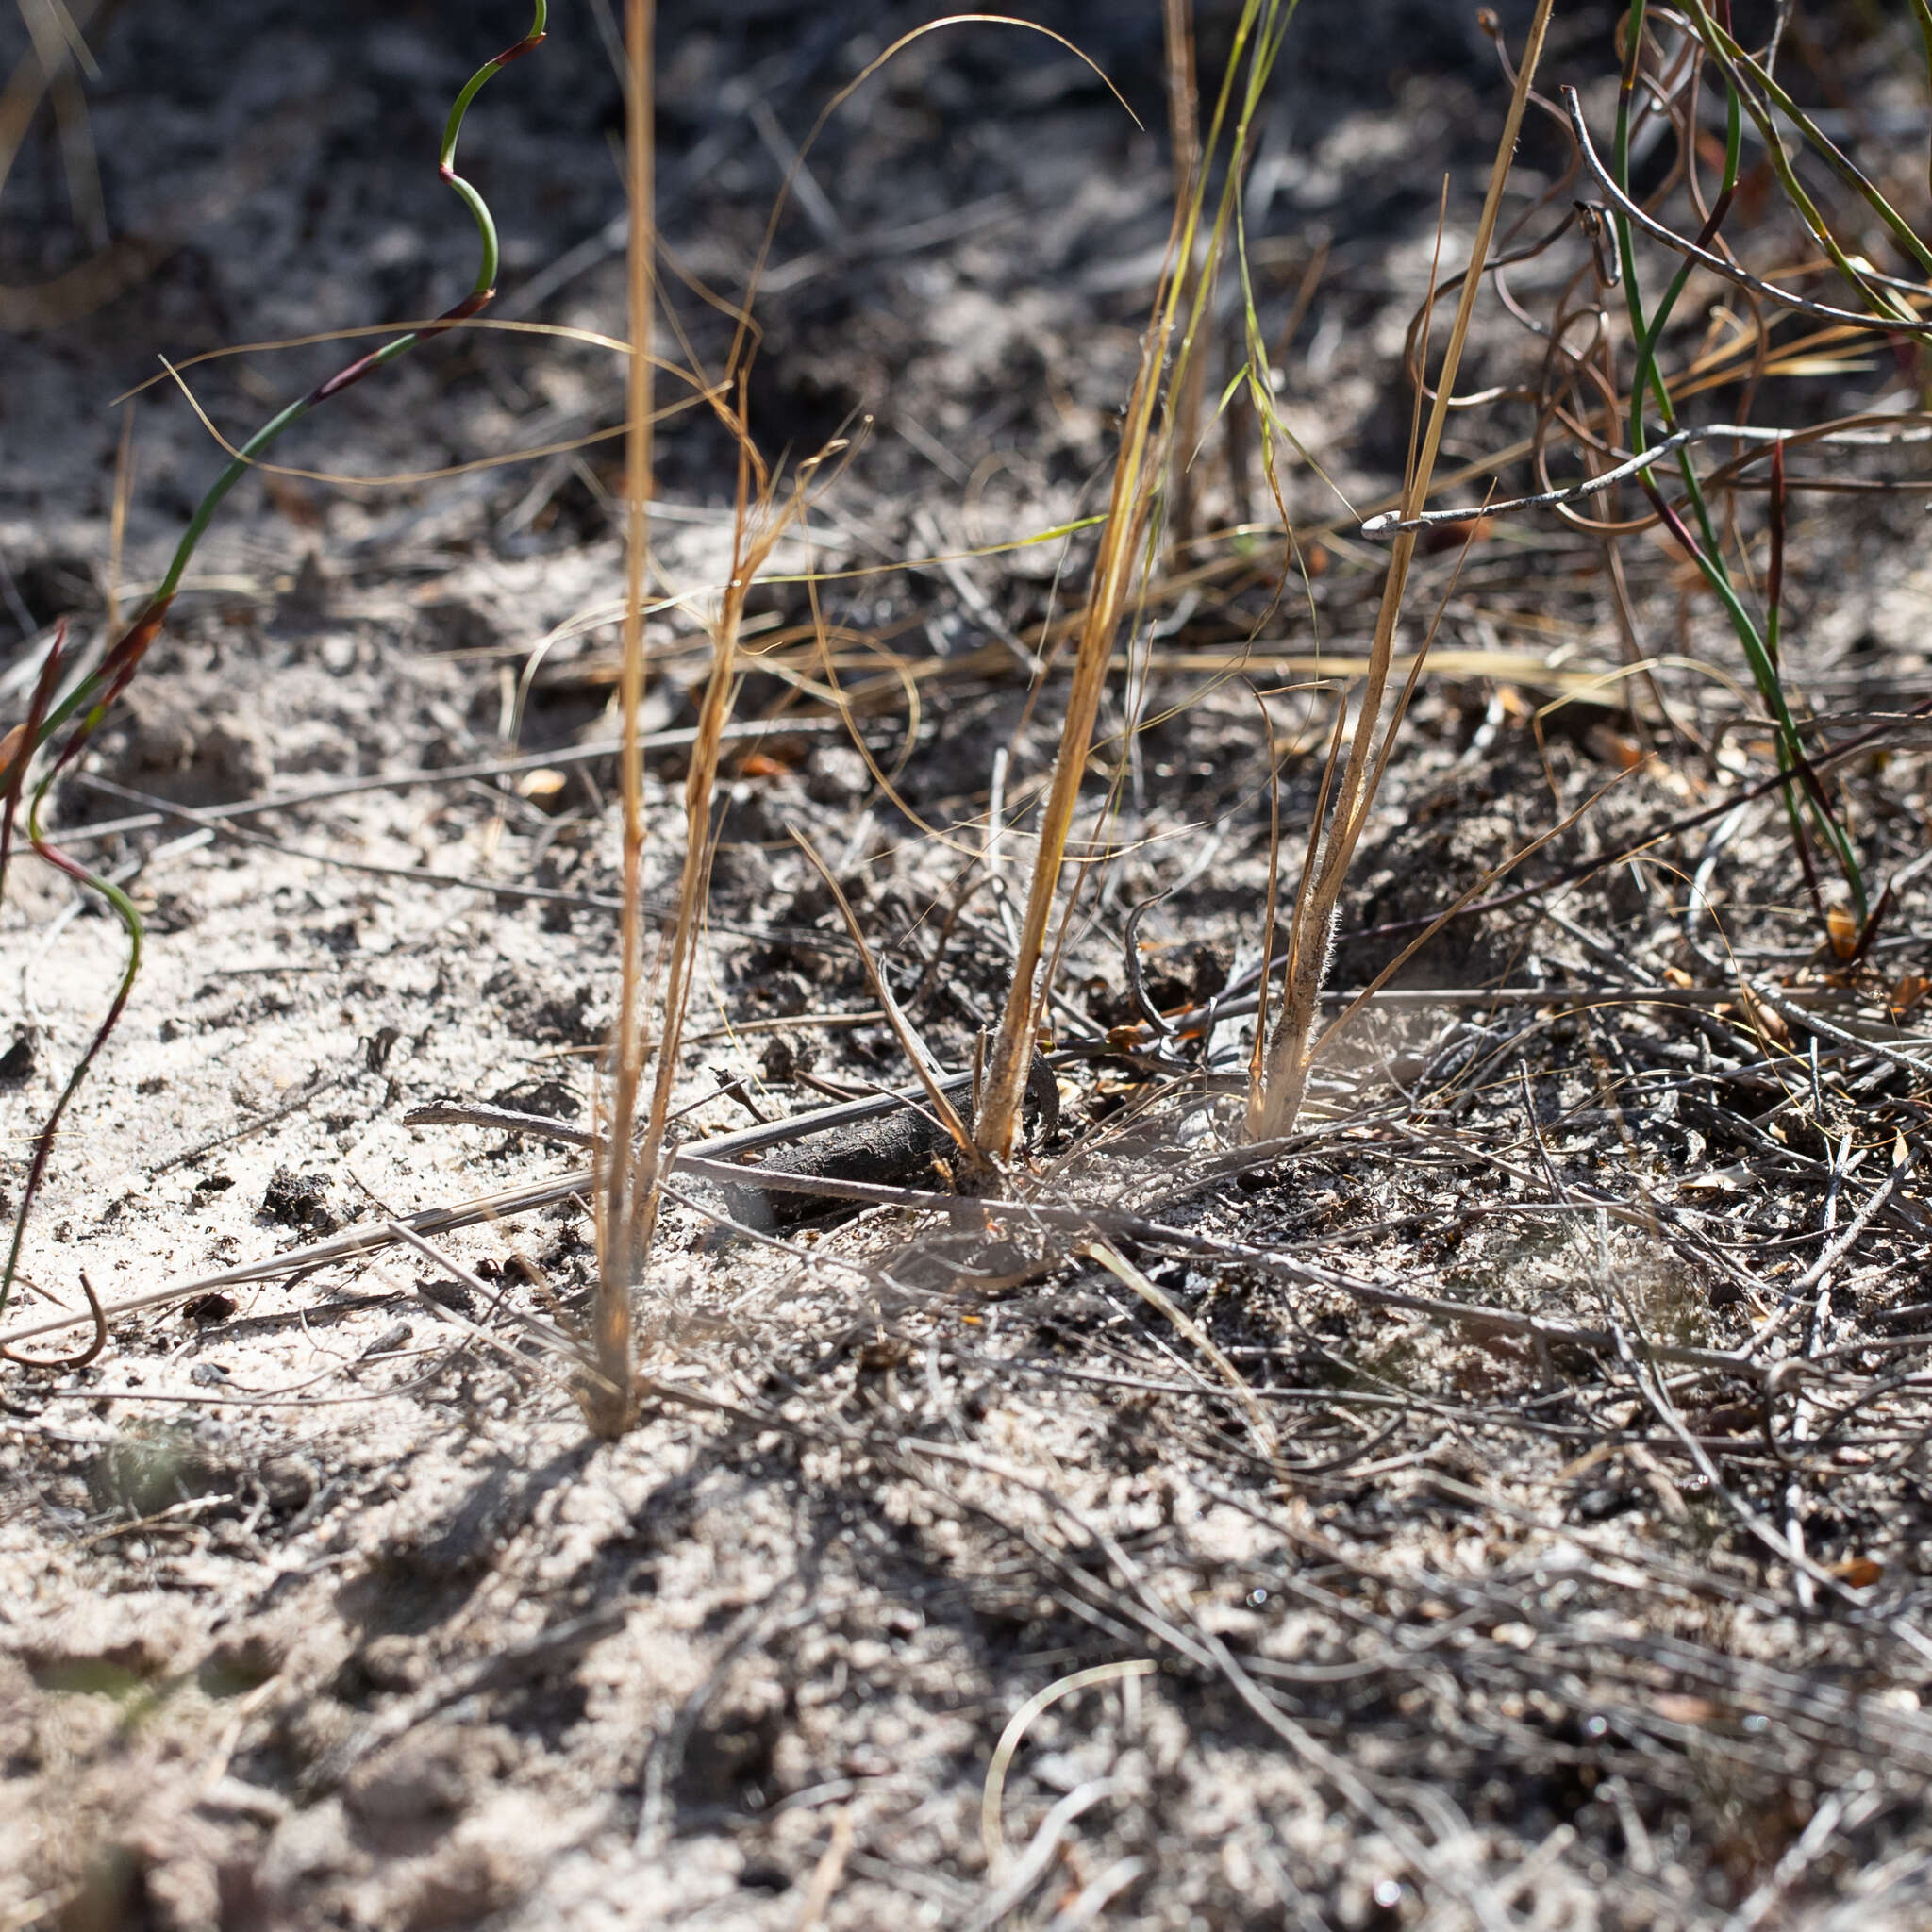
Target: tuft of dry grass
{"points": [[1152, 442], [631, 1164], [1287, 1057]]}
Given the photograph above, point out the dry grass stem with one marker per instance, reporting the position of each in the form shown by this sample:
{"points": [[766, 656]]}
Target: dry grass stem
{"points": [[1267, 1438], [924, 1067], [1142, 470], [1290, 1054], [623, 1224]]}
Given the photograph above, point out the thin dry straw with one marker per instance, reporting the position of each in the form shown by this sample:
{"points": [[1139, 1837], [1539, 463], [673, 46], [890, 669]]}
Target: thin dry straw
{"points": [[992, 1794], [560, 759], [609, 1401], [1266, 1439], [1776, 442], [998, 1122], [751, 548], [1088, 1221], [910, 1044]]}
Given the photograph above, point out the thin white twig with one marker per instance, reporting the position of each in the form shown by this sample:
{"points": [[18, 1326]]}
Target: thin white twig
{"points": [[1392, 522], [1728, 270]]}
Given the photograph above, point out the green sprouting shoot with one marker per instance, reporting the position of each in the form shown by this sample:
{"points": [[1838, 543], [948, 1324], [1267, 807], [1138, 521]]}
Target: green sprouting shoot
{"points": [[1649, 388]]}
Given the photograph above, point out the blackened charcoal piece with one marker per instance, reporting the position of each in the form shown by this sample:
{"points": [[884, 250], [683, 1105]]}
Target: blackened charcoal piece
{"points": [[902, 1149], [300, 1200]]}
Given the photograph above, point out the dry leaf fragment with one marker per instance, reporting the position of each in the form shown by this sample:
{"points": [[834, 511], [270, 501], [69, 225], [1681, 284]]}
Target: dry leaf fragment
{"points": [[1736, 1179], [1767, 1024], [1613, 748], [1842, 929], [1683, 1709], [1441, 537], [1912, 988]]}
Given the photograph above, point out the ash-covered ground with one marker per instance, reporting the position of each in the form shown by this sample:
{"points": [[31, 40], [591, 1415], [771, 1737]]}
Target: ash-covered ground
{"points": [[1502, 1505]]}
